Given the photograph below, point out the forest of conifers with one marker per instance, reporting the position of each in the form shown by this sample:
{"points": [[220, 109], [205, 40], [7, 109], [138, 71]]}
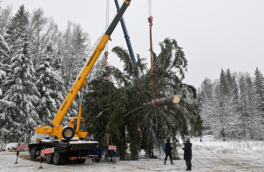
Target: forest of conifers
{"points": [[233, 105]]}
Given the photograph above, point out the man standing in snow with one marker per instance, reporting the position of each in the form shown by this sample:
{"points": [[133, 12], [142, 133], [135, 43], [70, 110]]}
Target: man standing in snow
{"points": [[168, 151], [188, 154]]}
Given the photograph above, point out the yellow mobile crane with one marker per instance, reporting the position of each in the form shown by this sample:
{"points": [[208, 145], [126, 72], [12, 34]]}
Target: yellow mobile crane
{"points": [[65, 148], [69, 132]]}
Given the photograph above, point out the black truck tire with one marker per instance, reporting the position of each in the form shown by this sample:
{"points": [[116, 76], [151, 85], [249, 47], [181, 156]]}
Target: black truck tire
{"points": [[56, 158], [49, 158], [64, 158], [68, 133], [32, 153], [60, 158]]}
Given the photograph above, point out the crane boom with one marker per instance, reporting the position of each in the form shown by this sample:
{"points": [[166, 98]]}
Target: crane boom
{"points": [[81, 79], [129, 45], [88, 66]]}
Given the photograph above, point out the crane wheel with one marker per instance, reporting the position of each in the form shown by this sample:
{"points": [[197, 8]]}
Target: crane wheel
{"points": [[68, 133], [32, 153], [49, 158], [56, 158], [60, 158]]}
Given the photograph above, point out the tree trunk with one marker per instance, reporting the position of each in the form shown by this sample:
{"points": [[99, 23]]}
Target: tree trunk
{"points": [[122, 143], [223, 134], [164, 101]]}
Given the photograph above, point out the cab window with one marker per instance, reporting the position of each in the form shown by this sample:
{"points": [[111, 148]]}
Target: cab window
{"points": [[82, 125]]}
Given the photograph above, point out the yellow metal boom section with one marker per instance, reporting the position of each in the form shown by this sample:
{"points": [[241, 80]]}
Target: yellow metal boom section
{"points": [[79, 119], [80, 81]]}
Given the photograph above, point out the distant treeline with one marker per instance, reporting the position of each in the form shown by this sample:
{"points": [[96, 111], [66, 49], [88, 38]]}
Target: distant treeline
{"points": [[233, 106]]}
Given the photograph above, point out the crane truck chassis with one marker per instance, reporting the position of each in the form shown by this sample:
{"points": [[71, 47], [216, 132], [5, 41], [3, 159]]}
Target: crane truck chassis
{"points": [[65, 152], [72, 142]]}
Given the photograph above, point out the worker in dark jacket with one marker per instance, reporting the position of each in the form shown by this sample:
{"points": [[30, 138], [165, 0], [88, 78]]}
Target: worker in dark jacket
{"points": [[168, 151], [188, 154]]}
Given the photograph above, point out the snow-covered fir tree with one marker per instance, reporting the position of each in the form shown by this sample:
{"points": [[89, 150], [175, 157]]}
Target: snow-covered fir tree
{"points": [[259, 92], [206, 97], [4, 50], [51, 88], [20, 93], [42, 31], [5, 17], [74, 52], [219, 112], [238, 111], [259, 89]]}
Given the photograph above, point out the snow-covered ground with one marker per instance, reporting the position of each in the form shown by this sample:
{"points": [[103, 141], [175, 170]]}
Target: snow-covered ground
{"points": [[209, 155]]}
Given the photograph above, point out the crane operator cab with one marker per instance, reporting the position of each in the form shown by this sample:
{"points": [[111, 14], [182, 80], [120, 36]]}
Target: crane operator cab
{"points": [[73, 124], [82, 132]]}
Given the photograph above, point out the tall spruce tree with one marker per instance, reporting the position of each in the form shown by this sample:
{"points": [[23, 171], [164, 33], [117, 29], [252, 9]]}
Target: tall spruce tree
{"points": [[259, 89], [17, 30], [255, 125], [5, 17], [223, 85], [20, 93], [51, 88], [43, 32], [243, 109], [74, 50], [235, 90], [229, 82], [222, 107], [222, 98], [206, 98], [4, 50], [259, 92]]}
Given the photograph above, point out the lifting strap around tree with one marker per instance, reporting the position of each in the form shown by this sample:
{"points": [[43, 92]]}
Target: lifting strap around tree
{"points": [[150, 20]]}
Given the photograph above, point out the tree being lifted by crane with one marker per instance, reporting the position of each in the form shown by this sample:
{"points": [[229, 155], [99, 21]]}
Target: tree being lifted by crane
{"points": [[124, 103], [127, 101]]}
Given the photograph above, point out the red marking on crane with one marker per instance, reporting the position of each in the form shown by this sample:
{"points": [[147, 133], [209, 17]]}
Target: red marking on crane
{"points": [[22, 147], [49, 150]]}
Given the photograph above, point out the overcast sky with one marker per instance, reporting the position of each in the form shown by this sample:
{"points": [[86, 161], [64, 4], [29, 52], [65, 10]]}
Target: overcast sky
{"points": [[214, 34]]}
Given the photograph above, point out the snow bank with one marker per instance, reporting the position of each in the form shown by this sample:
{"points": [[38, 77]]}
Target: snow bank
{"points": [[11, 146], [228, 147]]}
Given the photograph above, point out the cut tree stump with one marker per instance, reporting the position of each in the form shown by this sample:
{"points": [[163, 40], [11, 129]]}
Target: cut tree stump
{"points": [[164, 101]]}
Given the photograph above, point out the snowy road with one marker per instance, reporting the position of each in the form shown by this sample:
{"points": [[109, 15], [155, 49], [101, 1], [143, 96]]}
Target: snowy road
{"points": [[216, 158]]}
